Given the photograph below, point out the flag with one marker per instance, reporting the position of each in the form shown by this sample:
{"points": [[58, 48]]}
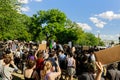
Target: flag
{"points": [[50, 46]]}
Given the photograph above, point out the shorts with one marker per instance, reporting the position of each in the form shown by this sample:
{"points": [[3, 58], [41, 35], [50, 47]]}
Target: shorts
{"points": [[71, 71]]}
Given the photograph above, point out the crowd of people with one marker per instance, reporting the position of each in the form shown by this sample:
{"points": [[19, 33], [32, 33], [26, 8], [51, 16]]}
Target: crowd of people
{"points": [[61, 62]]}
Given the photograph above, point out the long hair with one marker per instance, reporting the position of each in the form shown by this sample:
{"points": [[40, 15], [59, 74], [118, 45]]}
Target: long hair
{"points": [[47, 66], [7, 60], [30, 64]]}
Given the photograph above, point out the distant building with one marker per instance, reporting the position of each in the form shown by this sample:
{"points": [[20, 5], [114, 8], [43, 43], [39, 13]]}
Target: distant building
{"points": [[110, 42]]}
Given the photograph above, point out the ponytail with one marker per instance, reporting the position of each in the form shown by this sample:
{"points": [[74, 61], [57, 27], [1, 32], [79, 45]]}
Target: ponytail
{"points": [[47, 66]]}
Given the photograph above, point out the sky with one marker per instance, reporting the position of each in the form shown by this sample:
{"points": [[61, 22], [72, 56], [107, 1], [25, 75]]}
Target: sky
{"points": [[96, 16]]}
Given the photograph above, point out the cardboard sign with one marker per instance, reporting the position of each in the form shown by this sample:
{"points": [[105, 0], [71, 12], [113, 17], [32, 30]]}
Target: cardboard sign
{"points": [[42, 46], [109, 55], [70, 44], [44, 42], [85, 47]]}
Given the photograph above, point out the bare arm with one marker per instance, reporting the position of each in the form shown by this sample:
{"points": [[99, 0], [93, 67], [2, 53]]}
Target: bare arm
{"points": [[12, 63], [100, 70], [56, 74], [36, 54], [74, 63]]}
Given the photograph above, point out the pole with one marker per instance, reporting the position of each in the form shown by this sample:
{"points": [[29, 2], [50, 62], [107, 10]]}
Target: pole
{"points": [[119, 38]]}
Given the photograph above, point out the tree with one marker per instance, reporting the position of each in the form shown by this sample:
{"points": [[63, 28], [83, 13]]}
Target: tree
{"points": [[35, 28], [6, 14], [82, 38], [91, 39], [50, 24], [12, 24], [79, 35], [66, 35], [47, 23]]}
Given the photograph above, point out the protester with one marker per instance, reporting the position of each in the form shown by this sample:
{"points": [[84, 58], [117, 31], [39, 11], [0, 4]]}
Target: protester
{"points": [[17, 57], [79, 64], [71, 66], [7, 71], [53, 57], [30, 73], [39, 61], [4, 56], [47, 73], [87, 75], [112, 72], [62, 60], [2, 59]]}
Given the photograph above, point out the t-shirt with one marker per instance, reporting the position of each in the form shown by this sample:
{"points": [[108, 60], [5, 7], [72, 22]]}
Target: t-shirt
{"points": [[62, 57], [6, 72], [86, 76], [17, 54], [40, 63], [70, 61]]}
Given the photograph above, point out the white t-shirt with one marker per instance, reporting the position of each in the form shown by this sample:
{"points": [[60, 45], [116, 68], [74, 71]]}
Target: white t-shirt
{"points": [[1, 62], [17, 54], [6, 73], [70, 61]]}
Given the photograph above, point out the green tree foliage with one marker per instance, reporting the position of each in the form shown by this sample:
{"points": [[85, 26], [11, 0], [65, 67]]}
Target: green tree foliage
{"points": [[12, 24], [66, 35], [35, 28], [91, 39], [101, 43], [81, 37], [47, 23], [54, 23]]}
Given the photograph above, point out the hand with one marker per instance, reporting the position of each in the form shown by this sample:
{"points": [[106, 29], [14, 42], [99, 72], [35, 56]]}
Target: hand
{"points": [[12, 62], [56, 60], [99, 67]]}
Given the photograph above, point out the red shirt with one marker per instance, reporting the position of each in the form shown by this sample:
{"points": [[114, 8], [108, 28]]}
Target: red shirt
{"points": [[40, 63]]}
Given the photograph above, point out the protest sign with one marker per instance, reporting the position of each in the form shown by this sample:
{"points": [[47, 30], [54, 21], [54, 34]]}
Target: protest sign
{"points": [[70, 44], [42, 46], [44, 42], [108, 55], [85, 47]]}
